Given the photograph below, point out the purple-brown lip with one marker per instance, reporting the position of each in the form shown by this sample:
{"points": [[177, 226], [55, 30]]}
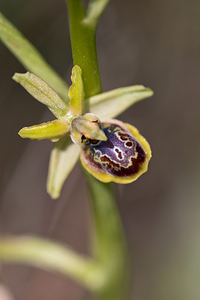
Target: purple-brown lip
{"points": [[121, 155]]}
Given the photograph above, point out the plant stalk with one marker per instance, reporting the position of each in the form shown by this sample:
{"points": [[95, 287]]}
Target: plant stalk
{"points": [[109, 244], [83, 41]]}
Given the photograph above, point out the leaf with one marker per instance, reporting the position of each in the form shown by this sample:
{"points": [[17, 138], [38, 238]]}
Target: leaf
{"points": [[63, 158], [51, 130], [29, 56], [110, 104], [76, 92], [41, 91]]}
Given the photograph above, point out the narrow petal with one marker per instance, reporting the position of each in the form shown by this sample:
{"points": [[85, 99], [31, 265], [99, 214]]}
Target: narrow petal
{"points": [[110, 104], [51, 130], [63, 158], [76, 92]]}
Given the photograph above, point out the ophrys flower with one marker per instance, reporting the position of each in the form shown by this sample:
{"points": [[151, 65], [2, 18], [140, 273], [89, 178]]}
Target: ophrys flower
{"points": [[109, 149]]}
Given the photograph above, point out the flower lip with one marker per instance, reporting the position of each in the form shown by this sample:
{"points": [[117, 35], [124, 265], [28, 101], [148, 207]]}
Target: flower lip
{"points": [[122, 158]]}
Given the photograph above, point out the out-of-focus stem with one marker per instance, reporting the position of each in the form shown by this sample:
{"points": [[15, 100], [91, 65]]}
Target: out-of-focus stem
{"points": [[109, 243], [94, 11], [49, 256]]}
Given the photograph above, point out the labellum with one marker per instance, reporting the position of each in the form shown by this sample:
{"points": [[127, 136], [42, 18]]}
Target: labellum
{"points": [[120, 157]]}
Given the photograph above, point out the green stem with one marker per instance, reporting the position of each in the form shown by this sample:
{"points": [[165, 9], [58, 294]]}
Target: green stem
{"points": [[83, 40], [109, 244]]}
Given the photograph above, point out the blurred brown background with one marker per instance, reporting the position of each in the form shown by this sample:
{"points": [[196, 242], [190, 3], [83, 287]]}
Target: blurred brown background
{"points": [[150, 42]]}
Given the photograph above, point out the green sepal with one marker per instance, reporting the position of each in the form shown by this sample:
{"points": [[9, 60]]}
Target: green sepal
{"points": [[29, 57], [110, 104], [76, 92], [63, 158], [52, 130], [42, 92]]}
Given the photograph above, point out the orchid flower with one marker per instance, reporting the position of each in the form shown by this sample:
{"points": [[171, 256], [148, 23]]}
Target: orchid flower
{"points": [[109, 149]]}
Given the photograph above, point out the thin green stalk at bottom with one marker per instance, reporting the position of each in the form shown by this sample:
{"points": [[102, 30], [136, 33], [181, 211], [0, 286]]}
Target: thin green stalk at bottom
{"points": [[109, 243], [50, 256]]}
